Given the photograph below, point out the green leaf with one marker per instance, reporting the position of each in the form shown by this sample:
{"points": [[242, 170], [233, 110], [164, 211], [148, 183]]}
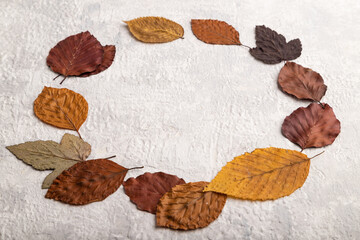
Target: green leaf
{"points": [[50, 155]]}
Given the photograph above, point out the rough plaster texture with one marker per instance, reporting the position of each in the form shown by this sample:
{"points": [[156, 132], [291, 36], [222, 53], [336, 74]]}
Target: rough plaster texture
{"points": [[185, 108]]}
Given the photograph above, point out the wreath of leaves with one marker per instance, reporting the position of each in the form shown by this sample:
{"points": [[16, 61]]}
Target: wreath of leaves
{"points": [[264, 174]]}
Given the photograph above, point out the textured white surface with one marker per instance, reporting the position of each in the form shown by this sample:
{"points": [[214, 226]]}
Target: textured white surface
{"points": [[185, 108]]}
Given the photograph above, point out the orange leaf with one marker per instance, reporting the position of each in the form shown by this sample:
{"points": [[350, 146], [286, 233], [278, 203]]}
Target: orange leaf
{"points": [[215, 32], [61, 108], [313, 126], [109, 54], [264, 174], [75, 55], [87, 182], [187, 207], [301, 82]]}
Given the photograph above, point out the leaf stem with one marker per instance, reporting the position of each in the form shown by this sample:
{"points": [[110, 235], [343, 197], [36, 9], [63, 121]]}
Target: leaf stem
{"points": [[110, 157], [317, 155], [135, 168], [321, 104], [56, 77], [63, 80], [246, 46], [78, 132]]}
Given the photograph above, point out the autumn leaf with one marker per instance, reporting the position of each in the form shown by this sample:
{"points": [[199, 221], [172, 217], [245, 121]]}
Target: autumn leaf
{"points": [[301, 82], [61, 108], [272, 47], [146, 190], [312, 126], [75, 55], [109, 54], [187, 207], [50, 155], [87, 182], [264, 174], [215, 32], [155, 29]]}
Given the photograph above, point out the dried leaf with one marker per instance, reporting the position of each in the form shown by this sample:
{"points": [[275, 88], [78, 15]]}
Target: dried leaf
{"points": [[313, 126], [272, 47], [75, 55], [215, 32], [264, 174], [155, 29], [301, 82], [87, 182], [47, 155], [147, 189], [109, 54], [188, 207], [61, 108]]}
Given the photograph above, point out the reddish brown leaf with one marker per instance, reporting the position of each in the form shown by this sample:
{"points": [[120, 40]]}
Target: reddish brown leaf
{"points": [[87, 182], [272, 47], [109, 54], [301, 82], [187, 207], [146, 190], [75, 55], [313, 126], [215, 32]]}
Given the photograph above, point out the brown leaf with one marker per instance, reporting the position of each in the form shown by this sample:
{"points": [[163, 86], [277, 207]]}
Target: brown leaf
{"points": [[215, 32], [109, 54], [272, 47], [301, 82], [155, 29], [313, 126], [146, 190], [187, 207], [265, 174], [75, 55], [87, 182], [61, 108]]}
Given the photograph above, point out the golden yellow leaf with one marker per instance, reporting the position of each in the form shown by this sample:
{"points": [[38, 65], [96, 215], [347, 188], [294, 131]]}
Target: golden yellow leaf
{"points": [[61, 108], [264, 174], [155, 29]]}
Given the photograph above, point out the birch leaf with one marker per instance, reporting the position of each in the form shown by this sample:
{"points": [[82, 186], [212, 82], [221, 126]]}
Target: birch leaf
{"points": [[155, 29], [264, 174], [50, 155]]}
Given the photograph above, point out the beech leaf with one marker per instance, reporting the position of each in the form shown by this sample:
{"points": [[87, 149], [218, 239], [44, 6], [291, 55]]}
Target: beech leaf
{"points": [[312, 126], [272, 47], [155, 29], [75, 55], [109, 54], [61, 108], [301, 82], [264, 174], [50, 155], [87, 182], [146, 190], [187, 207], [215, 32]]}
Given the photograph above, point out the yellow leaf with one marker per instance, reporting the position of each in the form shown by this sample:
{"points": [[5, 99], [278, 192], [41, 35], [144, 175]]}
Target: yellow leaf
{"points": [[264, 174], [155, 29]]}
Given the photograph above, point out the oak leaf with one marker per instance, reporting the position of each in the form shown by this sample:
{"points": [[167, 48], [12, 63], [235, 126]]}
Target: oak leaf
{"points": [[215, 32], [109, 54], [61, 108], [272, 47], [50, 155], [146, 190], [87, 182], [75, 55], [187, 207], [264, 174], [313, 126], [301, 82], [155, 29]]}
